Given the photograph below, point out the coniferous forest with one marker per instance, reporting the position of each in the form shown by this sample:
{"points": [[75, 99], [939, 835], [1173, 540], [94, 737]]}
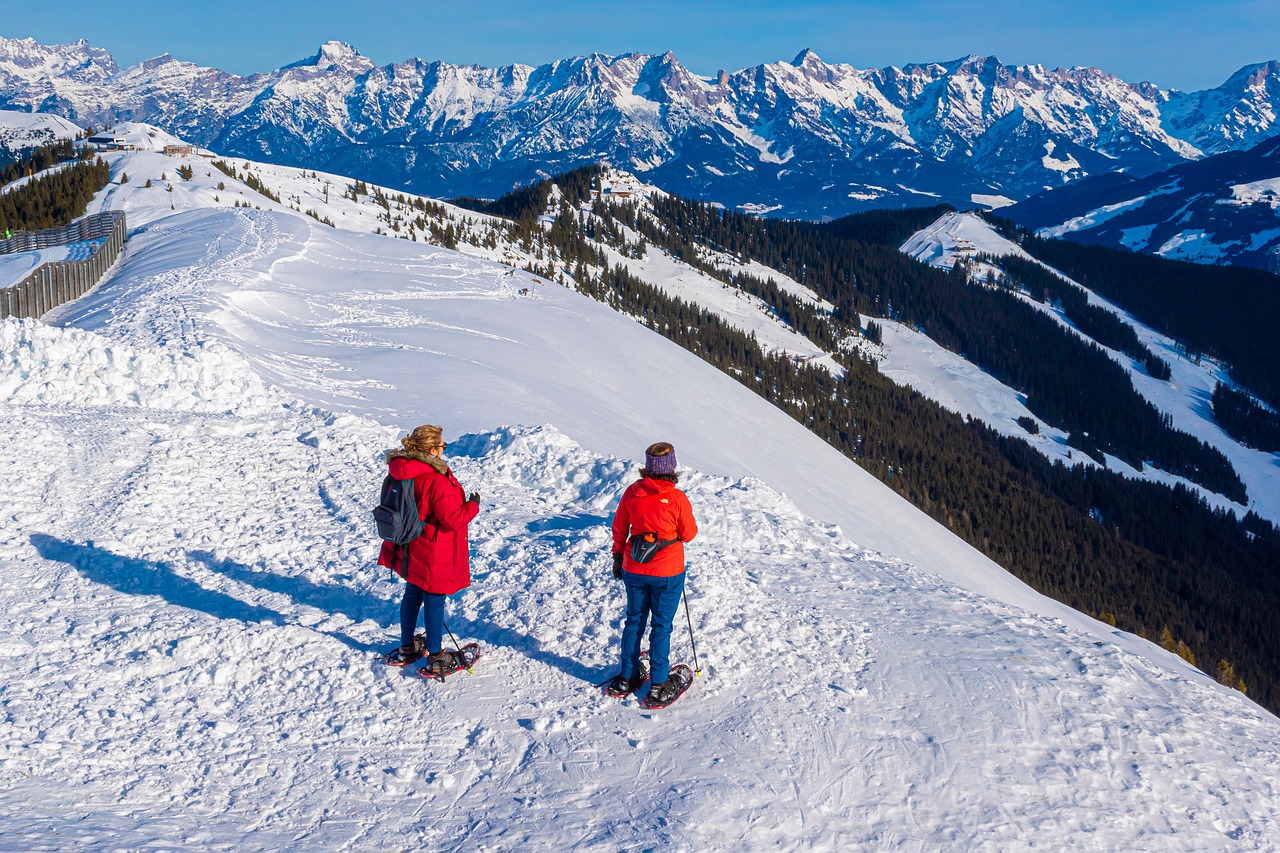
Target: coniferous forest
{"points": [[53, 199], [1245, 420], [1223, 312], [1150, 559], [35, 160]]}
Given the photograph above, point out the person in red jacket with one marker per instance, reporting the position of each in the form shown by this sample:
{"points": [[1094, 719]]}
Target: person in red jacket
{"points": [[651, 508], [439, 560]]}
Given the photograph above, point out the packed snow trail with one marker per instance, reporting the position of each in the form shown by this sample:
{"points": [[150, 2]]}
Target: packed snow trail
{"points": [[192, 659]]}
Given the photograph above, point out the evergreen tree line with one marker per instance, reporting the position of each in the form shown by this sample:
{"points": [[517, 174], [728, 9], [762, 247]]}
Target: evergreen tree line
{"points": [[1141, 555], [801, 315], [1093, 320], [884, 227], [55, 199], [1244, 420], [1224, 312], [248, 178], [1069, 382], [39, 159]]}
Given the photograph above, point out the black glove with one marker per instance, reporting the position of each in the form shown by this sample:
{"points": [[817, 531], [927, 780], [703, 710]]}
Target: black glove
{"points": [[617, 566], [475, 496]]}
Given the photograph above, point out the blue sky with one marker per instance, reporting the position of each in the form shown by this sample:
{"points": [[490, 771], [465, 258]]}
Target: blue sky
{"points": [[1175, 43]]}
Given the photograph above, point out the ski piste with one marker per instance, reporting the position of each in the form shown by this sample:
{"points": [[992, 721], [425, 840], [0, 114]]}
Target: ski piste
{"points": [[683, 676], [470, 654]]}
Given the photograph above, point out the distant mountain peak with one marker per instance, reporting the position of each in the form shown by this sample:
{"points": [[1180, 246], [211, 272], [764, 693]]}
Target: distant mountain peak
{"points": [[156, 62], [336, 55], [973, 62], [1255, 75], [806, 57]]}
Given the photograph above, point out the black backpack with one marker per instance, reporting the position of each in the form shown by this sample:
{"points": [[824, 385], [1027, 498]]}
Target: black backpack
{"points": [[397, 515]]}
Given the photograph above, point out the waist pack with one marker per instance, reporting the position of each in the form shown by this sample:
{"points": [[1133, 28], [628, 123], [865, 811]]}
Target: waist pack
{"points": [[645, 546]]}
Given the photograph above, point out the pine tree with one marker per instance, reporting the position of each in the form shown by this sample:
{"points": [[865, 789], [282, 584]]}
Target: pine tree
{"points": [[1226, 674]]}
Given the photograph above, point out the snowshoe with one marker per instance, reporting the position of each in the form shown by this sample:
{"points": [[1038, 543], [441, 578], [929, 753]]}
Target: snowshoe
{"points": [[445, 663], [664, 693], [406, 655], [619, 686]]}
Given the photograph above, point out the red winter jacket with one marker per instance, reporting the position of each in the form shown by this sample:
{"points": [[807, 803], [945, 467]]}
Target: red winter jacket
{"points": [[438, 559], [654, 506]]}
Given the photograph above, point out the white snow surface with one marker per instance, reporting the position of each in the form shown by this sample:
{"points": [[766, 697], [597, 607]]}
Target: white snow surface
{"points": [[1093, 218], [195, 621], [1266, 191], [21, 130], [994, 202], [1193, 244]]}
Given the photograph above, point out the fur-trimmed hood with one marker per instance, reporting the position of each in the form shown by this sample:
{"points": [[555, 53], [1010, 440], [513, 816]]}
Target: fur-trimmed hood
{"points": [[436, 462]]}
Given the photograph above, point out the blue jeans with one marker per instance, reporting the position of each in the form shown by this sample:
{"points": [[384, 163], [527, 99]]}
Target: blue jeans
{"points": [[659, 598], [432, 615]]}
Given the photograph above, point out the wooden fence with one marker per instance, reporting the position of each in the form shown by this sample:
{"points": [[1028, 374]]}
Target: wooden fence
{"points": [[54, 283]]}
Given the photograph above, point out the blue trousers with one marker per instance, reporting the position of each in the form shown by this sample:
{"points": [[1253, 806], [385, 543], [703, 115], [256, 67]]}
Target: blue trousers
{"points": [[432, 615], [655, 598]]}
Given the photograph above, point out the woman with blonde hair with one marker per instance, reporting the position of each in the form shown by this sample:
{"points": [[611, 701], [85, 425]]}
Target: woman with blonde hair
{"points": [[437, 563]]}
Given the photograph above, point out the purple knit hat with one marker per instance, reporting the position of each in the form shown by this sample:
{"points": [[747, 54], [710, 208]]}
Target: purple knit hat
{"points": [[660, 458]]}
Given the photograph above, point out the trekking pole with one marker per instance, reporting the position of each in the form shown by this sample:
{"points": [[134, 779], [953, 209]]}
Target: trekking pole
{"points": [[459, 648], [697, 670]]}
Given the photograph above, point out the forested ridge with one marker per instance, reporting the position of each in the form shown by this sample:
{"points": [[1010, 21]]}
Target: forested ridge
{"points": [[1154, 560], [53, 199], [1224, 312], [1245, 420]]}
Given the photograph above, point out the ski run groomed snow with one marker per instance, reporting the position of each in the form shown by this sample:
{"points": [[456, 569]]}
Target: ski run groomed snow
{"points": [[195, 621]]}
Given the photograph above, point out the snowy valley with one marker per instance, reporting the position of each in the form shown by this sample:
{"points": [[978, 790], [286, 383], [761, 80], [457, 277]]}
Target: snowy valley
{"points": [[193, 660]]}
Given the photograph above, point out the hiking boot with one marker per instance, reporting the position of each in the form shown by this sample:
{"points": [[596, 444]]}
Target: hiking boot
{"points": [[664, 692], [444, 662], [621, 686], [411, 653]]}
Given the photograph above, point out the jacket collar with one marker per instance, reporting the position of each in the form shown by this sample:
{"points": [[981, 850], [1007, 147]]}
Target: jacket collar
{"points": [[436, 462]]}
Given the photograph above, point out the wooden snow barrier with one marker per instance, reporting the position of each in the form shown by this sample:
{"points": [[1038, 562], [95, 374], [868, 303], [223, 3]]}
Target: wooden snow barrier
{"points": [[49, 285]]}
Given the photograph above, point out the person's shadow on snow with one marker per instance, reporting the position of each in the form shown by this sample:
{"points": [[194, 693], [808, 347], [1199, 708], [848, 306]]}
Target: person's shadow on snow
{"points": [[359, 605], [135, 576], [356, 605]]}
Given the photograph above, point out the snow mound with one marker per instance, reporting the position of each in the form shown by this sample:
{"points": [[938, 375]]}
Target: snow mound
{"points": [[43, 364]]}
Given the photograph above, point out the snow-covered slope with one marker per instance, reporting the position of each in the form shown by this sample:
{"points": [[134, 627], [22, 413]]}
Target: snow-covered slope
{"points": [[195, 621], [945, 377], [1219, 210], [20, 131], [802, 138]]}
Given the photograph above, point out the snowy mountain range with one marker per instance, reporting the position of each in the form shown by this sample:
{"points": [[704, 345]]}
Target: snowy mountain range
{"points": [[1222, 209], [189, 665], [803, 138]]}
